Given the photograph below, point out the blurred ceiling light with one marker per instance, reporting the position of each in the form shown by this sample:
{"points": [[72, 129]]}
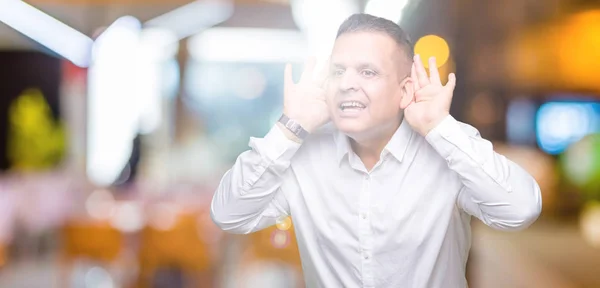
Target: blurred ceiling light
{"points": [[156, 47], [113, 119], [123, 24], [125, 92], [432, 46], [159, 43], [250, 45], [46, 30], [322, 14], [320, 20], [388, 9], [192, 18]]}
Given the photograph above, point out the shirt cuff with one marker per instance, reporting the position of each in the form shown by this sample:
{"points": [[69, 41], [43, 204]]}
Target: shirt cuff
{"points": [[448, 136], [275, 145]]}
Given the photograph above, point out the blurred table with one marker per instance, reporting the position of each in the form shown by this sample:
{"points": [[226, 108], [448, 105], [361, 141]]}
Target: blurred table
{"points": [[548, 254]]}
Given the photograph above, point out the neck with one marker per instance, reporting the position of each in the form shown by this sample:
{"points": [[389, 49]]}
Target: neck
{"points": [[369, 149]]}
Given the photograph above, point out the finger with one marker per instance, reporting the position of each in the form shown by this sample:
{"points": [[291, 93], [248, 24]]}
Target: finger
{"points": [[423, 79], [323, 73], [420, 98], [451, 82], [288, 81], [309, 67], [434, 74], [415, 79]]}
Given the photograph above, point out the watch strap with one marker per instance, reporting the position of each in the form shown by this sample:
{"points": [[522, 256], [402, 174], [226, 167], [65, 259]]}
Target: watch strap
{"points": [[293, 126]]}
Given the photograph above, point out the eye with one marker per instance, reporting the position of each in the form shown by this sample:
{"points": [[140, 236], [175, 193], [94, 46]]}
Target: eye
{"points": [[368, 73], [337, 72]]}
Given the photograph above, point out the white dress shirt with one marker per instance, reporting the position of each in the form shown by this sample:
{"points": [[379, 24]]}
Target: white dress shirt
{"points": [[405, 223]]}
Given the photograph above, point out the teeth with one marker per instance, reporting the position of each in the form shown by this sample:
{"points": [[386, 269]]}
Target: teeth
{"points": [[351, 104]]}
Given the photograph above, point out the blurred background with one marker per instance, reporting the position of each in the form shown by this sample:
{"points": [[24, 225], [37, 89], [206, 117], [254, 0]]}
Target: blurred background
{"points": [[118, 118]]}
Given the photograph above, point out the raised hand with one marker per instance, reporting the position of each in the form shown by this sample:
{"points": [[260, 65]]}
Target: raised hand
{"points": [[432, 100], [304, 102]]}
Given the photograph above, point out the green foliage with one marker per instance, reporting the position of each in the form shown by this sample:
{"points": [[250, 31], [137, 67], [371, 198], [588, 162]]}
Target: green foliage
{"points": [[36, 141]]}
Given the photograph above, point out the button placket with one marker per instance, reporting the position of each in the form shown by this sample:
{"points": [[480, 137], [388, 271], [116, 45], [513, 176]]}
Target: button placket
{"points": [[365, 231]]}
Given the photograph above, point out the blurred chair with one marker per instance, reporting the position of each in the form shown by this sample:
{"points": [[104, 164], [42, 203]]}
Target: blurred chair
{"points": [[3, 256], [179, 249], [90, 240]]}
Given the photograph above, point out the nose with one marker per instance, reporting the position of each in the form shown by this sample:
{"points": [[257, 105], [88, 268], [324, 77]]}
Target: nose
{"points": [[349, 81]]}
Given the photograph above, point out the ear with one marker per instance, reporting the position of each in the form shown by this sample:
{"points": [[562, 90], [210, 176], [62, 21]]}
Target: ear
{"points": [[408, 92]]}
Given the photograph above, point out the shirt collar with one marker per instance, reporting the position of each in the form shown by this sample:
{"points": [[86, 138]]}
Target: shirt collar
{"points": [[397, 146]]}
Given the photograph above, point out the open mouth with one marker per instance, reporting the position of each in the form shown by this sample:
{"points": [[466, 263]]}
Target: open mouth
{"points": [[349, 106]]}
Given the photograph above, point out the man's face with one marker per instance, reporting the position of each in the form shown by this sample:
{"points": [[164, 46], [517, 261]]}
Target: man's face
{"points": [[366, 83]]}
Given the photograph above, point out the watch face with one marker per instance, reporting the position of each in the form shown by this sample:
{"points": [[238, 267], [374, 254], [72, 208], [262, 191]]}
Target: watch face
{"points": [[295, 127]]}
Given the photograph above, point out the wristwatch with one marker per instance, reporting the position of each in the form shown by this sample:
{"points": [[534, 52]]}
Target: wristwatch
{"points": [[293, 126]]}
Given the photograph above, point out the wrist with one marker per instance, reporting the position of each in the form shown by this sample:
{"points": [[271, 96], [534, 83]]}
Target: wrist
{"points": [[433, 124], [295, 125], [303, 121], [288, 134]]}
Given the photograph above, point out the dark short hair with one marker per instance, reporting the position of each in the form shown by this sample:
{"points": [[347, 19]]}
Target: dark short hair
{"points": [[368, 23]]}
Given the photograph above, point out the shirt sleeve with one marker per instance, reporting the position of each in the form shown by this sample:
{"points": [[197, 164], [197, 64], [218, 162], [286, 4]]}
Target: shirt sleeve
{"points": [[496, 190], [249, 196]]}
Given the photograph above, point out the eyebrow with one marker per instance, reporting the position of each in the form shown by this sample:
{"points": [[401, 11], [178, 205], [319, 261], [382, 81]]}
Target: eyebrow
{"points": [[360, 66]]}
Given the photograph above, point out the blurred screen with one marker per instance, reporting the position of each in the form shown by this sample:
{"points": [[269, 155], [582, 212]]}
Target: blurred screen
{"points": [[520, 122], [561, 123]]}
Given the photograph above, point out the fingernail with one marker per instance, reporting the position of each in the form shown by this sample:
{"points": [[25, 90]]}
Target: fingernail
{"points": [[417, 57]]}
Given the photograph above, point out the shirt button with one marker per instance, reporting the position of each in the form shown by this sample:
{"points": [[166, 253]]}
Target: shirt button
{"points": [[367, 177], [363, 216], [366, 256]]}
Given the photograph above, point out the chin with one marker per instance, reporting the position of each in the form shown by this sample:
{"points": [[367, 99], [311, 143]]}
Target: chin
{"points": [[352, 126]]}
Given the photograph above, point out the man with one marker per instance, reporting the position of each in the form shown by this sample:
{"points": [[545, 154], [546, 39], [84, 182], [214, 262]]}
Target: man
{"points": [[385, 199]]}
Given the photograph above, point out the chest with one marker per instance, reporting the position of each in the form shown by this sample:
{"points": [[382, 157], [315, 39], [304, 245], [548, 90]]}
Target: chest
{"points": [[409, 197]]}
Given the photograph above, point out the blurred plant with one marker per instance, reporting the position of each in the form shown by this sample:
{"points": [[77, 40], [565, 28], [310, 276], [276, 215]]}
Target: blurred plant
{"points": [[581, 164], [36, 141]]}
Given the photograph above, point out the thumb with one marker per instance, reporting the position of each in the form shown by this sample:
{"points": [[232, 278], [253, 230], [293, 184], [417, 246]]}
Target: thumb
{"points": [[451, 82]]}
